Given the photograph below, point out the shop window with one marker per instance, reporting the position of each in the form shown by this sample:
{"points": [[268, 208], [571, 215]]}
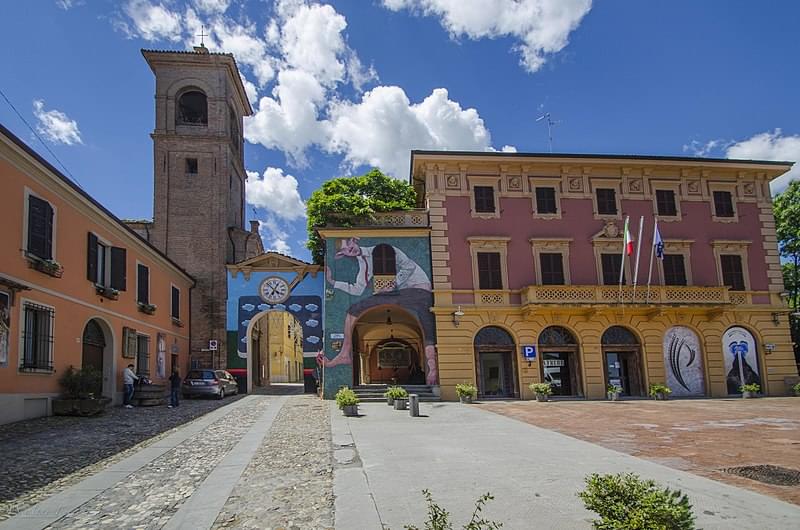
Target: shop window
{"points": [[674, 269], [489, 273]]}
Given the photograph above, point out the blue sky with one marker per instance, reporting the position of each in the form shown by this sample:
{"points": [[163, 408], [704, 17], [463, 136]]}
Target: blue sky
{"points": [[341, 86]]}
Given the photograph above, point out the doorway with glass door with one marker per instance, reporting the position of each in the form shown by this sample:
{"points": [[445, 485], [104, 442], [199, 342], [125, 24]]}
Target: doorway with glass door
{"points": [[495, 363], [622, 356]]}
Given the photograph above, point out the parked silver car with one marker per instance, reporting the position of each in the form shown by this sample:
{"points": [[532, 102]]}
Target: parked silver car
{"points": [[217, 383]]}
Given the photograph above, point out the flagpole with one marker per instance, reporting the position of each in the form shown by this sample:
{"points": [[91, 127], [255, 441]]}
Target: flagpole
{"points": [[652, 253], [622, 261], [638, 250]]}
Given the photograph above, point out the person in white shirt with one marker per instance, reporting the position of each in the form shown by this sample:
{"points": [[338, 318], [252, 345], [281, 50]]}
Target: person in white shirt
{"points": [[128, 377], [411, 290]]}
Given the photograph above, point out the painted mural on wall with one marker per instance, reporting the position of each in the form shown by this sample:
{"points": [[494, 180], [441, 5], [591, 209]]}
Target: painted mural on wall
{"points": [[741, 359], [364, 273], [683, 361], [268, 291], [5, 327]]}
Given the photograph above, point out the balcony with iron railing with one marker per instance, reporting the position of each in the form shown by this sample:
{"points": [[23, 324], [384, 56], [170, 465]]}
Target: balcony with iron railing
{"points": [[642, 295], [416, 218]]}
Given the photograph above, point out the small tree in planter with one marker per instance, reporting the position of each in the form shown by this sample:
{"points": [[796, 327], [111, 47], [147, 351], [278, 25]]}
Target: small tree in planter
{"points": [[626, 502], [750, 390], [80, 387], [613, 392], [466, 392], [542, 390], [796, 389], [659, 392], [394, 392], [347, 400]]}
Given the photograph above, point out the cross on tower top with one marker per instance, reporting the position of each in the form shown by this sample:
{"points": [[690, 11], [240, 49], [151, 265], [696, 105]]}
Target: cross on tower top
{"points": [[202, 34]]}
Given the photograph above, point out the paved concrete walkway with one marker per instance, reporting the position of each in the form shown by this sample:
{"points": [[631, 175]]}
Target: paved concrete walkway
{"points": [[200, 501], [459, 452]]}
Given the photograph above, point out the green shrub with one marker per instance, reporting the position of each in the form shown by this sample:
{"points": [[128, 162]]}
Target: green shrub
{"points": [[395, 392], [613, 389], [439, 518], [346, 397], [659, 389], [626, 502], [541, 388], [466, 389], [79, 383], [796, 389], [755, 388]]}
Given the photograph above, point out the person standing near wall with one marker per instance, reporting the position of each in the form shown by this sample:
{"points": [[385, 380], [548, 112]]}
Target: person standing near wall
{"points": [[175, 388], [128, 377]]}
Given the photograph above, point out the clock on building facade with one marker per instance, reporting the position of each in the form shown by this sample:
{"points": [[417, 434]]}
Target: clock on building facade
{"points": [[274, 290]]}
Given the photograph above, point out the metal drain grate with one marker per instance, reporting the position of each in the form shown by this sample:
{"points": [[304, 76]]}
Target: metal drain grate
{"points": [[779, 476]]}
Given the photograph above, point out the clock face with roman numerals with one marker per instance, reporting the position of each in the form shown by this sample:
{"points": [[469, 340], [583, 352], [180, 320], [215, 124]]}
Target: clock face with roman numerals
{"points": [[274, 290]]}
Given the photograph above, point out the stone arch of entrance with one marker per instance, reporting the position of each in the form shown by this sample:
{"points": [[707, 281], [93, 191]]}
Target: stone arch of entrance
{"points": [[97, 350], [274, 348], [389, 344], [623, 359], [495, 362]]}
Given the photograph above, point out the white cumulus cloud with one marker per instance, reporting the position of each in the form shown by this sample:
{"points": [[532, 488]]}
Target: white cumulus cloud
{"points": [[212, 6], [382, 128], [274, 236], [275, 192], [541, 27], [770, 146], [56, 126], [152, 21]]}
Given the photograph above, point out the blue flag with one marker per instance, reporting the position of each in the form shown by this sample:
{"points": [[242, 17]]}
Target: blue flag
{"points": [[659, 244]]}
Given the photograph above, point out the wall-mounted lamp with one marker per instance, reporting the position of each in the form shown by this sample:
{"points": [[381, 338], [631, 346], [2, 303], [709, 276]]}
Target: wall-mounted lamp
{"points": [[776, 318], [457, 314], [769, 347]]}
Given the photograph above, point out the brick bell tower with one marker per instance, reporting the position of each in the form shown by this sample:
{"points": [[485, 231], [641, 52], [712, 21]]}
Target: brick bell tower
{"points": [[199, 188]]}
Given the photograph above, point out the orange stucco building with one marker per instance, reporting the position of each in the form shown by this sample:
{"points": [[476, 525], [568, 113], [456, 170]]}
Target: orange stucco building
{"points": [[77, 288]]}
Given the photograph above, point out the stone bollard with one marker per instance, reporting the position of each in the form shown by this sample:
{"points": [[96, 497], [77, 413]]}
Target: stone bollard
{"points": [[413, 405]]}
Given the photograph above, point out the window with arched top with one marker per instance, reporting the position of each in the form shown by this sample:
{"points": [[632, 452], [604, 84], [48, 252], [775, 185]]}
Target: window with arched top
{"points": [[618, 335], [192, 109], [383, 259], [494, 336], [556, 336]]}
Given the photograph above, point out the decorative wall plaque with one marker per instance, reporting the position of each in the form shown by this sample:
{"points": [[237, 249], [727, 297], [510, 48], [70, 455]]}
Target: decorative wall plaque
{"points": [[693, 186], [514, 183], [749, 188], [453, 181], [636, 185], [576, 184]]}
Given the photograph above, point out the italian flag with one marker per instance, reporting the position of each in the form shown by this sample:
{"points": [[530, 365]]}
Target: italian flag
{"points": [[628, 238]]}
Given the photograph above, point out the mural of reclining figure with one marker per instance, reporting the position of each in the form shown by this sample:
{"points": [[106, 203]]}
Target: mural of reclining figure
{"points": [[412, 291]]}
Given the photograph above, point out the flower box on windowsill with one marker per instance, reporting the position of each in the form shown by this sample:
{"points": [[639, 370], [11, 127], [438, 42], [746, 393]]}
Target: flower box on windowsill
{"points": [[147, 309], [107, 292], [177, 322], [47, 266]]}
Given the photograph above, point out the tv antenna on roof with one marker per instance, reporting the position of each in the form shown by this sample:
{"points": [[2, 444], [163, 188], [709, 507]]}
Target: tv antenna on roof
{"points": [[550, 124]]}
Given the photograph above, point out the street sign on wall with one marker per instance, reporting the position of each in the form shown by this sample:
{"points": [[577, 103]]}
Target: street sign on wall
{"points": [[529, 351]]}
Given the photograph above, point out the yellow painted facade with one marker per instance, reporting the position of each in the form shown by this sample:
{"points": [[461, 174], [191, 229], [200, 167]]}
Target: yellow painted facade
{"points": [[280, 352]]}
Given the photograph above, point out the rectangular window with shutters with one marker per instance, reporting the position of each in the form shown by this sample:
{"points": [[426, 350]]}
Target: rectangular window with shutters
{"points": [[732, 274], [37, 337], [484, 199], [106, 265], [611, 264], [40, 228], [142, 284], [176, 303], [546, 201], [674, 269], [723, 204], [606, 201], [489, 273], [552, 264], [665, 203], [143, 355]]}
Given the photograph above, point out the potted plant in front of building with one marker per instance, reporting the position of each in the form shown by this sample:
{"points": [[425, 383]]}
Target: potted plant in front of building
{"points": [[147, 309], [541, 390], [347, 400], [466, 392], [613, 392], [80, 387], [660, 392], [393, 393], [796, 389], [750, 390]]}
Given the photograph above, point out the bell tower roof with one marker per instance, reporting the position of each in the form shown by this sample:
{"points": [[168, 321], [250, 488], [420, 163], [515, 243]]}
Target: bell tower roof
{"points": [[201, 57]]}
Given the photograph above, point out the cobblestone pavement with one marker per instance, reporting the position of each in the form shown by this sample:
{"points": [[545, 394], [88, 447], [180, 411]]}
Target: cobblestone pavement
{"points": [[150, 497], [289, 482], [699, 436], [45, 455]]}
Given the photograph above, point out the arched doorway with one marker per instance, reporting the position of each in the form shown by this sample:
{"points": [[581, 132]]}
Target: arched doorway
{"points": [[741, 359], [96, 353], [622, 355], [389, 346], [495, 363], [560, 361], [275, 339]]}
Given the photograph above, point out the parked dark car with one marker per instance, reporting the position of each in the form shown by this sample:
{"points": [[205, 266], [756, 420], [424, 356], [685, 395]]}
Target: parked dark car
{"points": [[217, 383]]}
